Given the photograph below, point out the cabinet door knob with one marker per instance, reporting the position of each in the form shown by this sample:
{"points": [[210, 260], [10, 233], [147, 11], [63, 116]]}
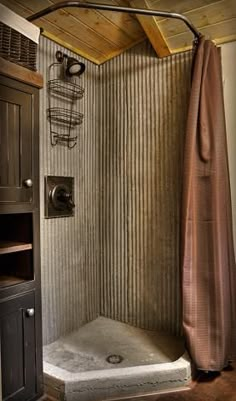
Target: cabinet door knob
{"points": [[28, 183], [30, 312]]}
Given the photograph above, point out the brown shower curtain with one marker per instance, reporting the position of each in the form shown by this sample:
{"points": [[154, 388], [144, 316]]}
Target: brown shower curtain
{"points": [[208, 264]]}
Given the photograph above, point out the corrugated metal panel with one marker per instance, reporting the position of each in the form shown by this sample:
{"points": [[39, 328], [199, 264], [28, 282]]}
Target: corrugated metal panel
{"points": [[124, 237], [143, 108], [70, 246]]}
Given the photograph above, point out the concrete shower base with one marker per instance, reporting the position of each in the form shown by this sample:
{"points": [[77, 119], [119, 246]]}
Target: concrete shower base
{"points": [[76, 367]]}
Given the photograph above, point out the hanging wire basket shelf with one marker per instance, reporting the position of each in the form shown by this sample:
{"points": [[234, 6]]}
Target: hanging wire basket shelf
{"points": [[56, 138], [66, 89], [65, 117], [63, 91]]}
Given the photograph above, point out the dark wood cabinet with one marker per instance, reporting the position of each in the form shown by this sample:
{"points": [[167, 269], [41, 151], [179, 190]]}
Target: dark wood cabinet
{"points": [[20, 291], [18, 350], [18, 123]]}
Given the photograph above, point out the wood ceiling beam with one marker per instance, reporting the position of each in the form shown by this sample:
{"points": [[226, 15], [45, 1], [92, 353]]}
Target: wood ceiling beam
{"points": [[152, 30]]}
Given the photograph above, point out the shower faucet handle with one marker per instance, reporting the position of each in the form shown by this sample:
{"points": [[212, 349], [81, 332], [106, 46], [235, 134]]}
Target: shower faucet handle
{"points": [[70, 203], [67, 198], [61, 197]]}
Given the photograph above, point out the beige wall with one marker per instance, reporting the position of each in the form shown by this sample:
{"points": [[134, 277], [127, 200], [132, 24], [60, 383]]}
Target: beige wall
{"points": [[229, 80]]}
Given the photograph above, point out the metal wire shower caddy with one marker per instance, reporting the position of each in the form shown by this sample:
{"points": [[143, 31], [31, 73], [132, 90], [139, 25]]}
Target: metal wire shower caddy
{"points": [[63, 120], [68, 89]]}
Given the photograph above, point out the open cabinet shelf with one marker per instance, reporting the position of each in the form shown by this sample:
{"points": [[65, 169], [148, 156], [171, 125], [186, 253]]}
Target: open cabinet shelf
{"points": [[16, 249], [16, 266], [13, 246], [7, 281]]}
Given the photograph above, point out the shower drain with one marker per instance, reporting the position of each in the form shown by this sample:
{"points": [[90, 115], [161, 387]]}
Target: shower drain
{"points": [[114, 359]]}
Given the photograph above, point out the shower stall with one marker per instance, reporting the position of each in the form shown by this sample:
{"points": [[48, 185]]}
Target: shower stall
{"points": [[110, 274]]}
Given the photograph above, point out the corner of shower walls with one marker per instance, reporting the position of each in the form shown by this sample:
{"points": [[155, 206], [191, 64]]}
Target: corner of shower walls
{"points": [[70, 246]]}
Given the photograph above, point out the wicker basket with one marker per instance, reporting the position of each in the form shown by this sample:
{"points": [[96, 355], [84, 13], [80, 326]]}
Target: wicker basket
{"points": [[17, 48]]}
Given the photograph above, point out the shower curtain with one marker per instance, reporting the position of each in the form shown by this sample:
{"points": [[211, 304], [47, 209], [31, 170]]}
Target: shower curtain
{"points": [[208, 264]]}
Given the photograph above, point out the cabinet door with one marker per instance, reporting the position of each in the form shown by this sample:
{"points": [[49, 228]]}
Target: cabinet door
{"points": [[15, 144], [18, 355]]}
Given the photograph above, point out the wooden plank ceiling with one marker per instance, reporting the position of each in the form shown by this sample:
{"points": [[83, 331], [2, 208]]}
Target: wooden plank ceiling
{"points": [[101, 35]]}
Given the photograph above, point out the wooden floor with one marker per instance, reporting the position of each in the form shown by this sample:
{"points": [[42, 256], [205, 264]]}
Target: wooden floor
{"points": [[214, 387]]}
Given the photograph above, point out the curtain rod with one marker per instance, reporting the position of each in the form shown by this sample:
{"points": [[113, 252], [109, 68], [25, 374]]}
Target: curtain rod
{"points": [[106, 7]]}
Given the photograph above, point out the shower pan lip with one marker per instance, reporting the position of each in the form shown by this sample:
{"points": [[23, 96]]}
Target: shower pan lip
{"points": [[64, 359], [183, 362]]}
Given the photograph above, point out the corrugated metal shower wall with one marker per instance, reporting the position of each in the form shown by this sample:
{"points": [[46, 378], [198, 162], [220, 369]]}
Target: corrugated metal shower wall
{"points": [[70, 246], [143, 108], [119, 255]]}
